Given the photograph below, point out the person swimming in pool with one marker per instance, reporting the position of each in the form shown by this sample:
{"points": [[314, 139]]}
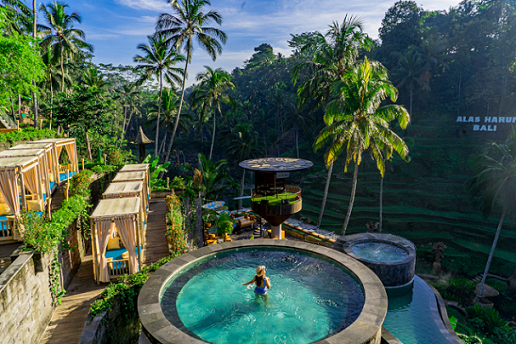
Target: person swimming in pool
{"points": [[263, 283]]}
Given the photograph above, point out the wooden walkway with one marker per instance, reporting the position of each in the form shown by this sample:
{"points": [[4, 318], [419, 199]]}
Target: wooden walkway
{"points": [[68, 320], [155, 245]]}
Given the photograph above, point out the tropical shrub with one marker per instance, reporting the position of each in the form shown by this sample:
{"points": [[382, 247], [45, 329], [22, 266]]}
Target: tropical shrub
{"points": [[176, 234], [27, 134], [80, 184], [224, 224], [488, 319]]}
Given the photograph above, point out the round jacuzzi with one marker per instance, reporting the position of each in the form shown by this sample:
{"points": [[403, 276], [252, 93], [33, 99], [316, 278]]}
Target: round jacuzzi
{"points": [[316, 293], [391, 257]]}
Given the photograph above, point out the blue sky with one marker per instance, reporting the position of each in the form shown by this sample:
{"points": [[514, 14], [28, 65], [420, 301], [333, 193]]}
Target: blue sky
{"points": [[116, 27]]}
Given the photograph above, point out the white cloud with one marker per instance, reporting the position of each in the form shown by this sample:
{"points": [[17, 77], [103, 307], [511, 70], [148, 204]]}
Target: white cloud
{"points": [[152, 5], [101, 36]]}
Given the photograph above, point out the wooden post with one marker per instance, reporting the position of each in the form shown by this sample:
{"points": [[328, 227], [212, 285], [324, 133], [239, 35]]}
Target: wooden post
{"points": [[168, 183], [82, 160], [22, 187], [138, 241], [65, 191], [18, 124], [94, 250], [105, 159]]}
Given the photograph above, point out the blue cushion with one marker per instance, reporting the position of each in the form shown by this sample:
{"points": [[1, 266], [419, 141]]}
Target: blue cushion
{"points": [[117, 254]]}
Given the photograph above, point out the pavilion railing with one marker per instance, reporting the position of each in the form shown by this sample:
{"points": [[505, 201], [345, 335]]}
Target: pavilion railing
{"points": [[6, 232], [118, 268]]}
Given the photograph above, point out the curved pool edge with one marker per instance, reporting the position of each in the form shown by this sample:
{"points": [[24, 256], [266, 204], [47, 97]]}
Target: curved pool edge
{"points": [[443, 317], [367, 328]]}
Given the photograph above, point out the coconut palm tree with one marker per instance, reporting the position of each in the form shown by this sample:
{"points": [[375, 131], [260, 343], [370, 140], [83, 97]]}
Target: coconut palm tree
{"points": [[210, 94], [215, 176], [334, 53], [355, 121], [131, 96], [295, 119], [243, 145], [92, 77], [409, 69], [54, 78], [60, 35], [495, 184], [186, 25], [158, 62]]}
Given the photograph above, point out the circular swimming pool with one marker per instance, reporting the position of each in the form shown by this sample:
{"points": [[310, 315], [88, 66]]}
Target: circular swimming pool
{"points": [[316, 293]]}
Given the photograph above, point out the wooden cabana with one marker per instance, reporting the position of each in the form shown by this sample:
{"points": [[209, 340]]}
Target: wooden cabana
{"points": [[140, 176], [138, 168], [52, 158], [116, 227], [20, 186], [126, 190], [70, 146], [43, 162]]}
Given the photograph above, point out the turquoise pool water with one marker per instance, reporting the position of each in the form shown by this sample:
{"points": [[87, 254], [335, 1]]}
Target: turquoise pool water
{"points": [[378, 251], [310, 299], [410, 316]]}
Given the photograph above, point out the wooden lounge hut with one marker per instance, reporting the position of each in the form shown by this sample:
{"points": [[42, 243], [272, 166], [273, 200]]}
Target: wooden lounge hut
{"points": [[116, 228], [141, 176], [52, 158], [70, 146], [138, 168], [126, 190], [43, 162], [20, 186]]}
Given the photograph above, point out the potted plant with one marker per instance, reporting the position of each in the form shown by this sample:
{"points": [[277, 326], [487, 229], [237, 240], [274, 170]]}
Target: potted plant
{"points": [[224, 225]]}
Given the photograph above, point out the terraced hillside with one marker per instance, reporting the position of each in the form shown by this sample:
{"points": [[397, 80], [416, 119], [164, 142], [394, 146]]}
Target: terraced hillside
{"points": [[425, 201]]}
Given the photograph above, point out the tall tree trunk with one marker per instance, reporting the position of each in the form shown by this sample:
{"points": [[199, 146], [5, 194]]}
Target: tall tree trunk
{"points": [[493, 247], [198, 221], [213, 135], [381, 205], [62, 68], [19, 105], [325, 196], [89, 146], [51, 101], [156, 147], [410, 106], [458, 96], [34, 95], [297, 144], [123, 126], [351, 200], [162, 148], [176, 124], [187, 222], [242, 182]]}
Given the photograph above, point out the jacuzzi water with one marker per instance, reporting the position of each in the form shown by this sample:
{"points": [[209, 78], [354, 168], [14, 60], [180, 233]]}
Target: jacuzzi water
{"points": [[310, 298], [378, 251]]}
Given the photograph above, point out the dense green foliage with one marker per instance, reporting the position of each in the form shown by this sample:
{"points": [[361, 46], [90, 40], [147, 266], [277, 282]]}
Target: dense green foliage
{"points": [[28, 134], [175, 233]]}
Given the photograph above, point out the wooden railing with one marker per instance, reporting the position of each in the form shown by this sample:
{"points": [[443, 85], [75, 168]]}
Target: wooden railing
{"points": [[118, 268], [293, 189], [6, 232]]}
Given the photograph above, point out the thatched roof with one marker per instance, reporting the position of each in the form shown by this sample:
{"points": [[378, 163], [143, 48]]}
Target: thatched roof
{"points": [[141, 138]]}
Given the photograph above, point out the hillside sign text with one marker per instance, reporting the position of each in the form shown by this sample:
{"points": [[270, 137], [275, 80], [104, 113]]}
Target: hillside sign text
{"points": [[489, 124]]}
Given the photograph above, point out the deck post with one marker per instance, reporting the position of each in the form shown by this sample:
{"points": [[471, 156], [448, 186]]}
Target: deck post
{"points": [[138, 236], [22, 187], [94, 249]]}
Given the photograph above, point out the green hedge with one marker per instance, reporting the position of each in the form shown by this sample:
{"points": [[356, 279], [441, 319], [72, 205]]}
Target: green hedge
{"points": [[28, 134]]}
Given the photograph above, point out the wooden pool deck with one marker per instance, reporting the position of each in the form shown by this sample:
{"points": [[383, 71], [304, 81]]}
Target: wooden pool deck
{"points": [[68, 320]]}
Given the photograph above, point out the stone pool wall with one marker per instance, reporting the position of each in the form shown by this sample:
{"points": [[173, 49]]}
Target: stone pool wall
{"points": [[25, 300], [392, 274], [366, 329]]}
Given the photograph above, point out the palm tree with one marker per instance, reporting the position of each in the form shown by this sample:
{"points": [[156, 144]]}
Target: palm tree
{"points": [[170, 103], [54, 78], [186, 24], [92, 77], [215, 176], [335, 52], [409, 70], [210, 94], [495, 183], [158, 62], [295, 119], [355, 121], [131, 96], [243, 145], [60, 35]]}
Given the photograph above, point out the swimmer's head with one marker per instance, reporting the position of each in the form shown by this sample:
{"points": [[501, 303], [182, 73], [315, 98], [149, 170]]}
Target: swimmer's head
{"points": [[260, 271]]}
